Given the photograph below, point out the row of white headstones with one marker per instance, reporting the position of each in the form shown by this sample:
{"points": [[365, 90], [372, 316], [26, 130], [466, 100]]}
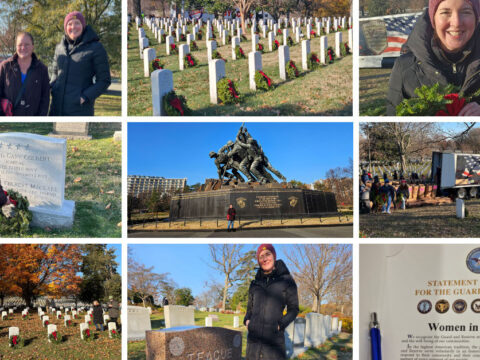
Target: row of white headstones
{"points": [[51, 328], [162, 80]]}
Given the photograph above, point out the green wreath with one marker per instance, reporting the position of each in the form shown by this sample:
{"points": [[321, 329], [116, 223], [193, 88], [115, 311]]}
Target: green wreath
{"points": [[262, 81], [173, 49], [275, 45], [289, 41], [239, 52], [194, 45], [183, 38], [260, 48], [200, 35], [114, 334], [190, 61], [313, 61], [292, 71], [345, 49], [87, 335], [216, 55], [19, 342], [156, 64], [19, 224], [327, 57], [53, 339], [175, 104], [227, 93]]}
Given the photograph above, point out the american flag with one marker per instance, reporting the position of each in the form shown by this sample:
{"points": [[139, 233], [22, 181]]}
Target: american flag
{"points": [[472, 166], [398, 30]]}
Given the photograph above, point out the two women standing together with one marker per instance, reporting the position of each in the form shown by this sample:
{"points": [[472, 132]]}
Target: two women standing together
{"points": [[80, 74]]}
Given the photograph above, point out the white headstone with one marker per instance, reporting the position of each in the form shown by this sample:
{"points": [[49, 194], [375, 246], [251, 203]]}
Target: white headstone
{"points": [[138, 322], [4, 314], [350, 38], [143, 44], [208, 321], [254, 65], [10, 311], [236, 322], [45, 318], [111, 326], [313, 330], [323, 49], [283, 58], [286, 34], [83, 326], [190, 39], [271, 39], [66, 319], [183, 50], [59, 314], [254, 42], [148, 56], [305, 53], [74, 313], [298, 33], [88, 318], [51, 329], [335, 325], [216, 71], [460, 207], [106, 318], [162, 84], [338, 44], [34, 165], [211, 46], [339, 327], [176, 315], [168, 43], [235, 43], [13, 331], [309, 31], [224, 37]]}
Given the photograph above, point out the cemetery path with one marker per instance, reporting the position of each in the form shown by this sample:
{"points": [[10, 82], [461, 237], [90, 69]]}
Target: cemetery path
{"points": [[320, 231]]}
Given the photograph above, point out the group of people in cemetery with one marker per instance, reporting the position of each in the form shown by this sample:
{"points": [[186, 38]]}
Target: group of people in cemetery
{"points": [[25, 84]]}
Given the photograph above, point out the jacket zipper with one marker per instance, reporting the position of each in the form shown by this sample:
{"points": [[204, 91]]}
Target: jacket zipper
{"points": [[454, 66]]}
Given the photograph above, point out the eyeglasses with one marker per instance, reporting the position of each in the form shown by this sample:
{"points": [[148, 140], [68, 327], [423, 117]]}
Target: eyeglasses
{"points": [[265, 255]]}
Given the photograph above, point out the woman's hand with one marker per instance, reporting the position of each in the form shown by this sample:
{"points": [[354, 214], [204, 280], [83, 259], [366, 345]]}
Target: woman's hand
{"points": [[82, 100], [471, 109], [246, 324]]}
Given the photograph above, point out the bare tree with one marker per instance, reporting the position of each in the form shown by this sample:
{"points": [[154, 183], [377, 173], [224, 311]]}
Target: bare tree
{"points": [[229, 260], [320, 268], [243, 7], [144, 283]]}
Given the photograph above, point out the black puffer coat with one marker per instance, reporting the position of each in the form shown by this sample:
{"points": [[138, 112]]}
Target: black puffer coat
{"points": [[3, 197], [75, 66], [97, 314], [267, 297], [424, 63]]}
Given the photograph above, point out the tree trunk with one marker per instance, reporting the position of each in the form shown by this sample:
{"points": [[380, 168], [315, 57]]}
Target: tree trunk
{"points": [[225, 291], [403, 163], [137, 8]]}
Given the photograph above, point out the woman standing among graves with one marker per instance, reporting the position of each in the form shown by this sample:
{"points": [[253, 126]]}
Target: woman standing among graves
{"points": [[24, 84], [97, 315], [272, 290], [443, 48], [79, 58]]}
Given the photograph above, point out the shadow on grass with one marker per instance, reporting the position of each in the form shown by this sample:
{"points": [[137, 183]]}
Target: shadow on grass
{"points": [[157, 324]]}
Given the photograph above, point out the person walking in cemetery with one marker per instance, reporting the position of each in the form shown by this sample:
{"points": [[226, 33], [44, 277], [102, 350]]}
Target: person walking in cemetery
{"points": [[231, 212], [79, 58], [403, 193], [98, 316], [24, 83], [443, 48], [387, 192], [113, 310], [272, 290]]}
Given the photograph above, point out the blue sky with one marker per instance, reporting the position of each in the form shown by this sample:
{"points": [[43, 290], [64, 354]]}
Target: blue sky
{"points": [[300, 151]]}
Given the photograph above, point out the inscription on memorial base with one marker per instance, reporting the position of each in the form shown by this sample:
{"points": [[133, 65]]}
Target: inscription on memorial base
{"points": [[194, 343]]}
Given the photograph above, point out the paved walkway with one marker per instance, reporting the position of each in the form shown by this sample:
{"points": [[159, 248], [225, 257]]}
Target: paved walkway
{"points": [[306, 232]]}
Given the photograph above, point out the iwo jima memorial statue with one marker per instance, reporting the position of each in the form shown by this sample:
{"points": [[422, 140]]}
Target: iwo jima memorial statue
{"points": [[260, 196]]}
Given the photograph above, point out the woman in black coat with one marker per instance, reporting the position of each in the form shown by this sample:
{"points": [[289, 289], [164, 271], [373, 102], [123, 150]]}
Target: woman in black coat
{"points": [[79, 58], [98, 315], [443, 48], [272, 290]]}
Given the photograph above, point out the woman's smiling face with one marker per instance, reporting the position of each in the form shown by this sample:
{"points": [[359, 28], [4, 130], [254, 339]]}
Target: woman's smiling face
{"points": [[454, 24]]}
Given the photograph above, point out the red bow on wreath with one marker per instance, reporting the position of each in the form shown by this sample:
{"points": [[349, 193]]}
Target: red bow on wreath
{"points": [[231, 89], [113, 332], [87, 332], [269, 81], [241, 52], [314, 58], [176, 104], [14, 340], [454, 108], [277, 43], [330, 55], [173, 46], [347, 48], [14, 202], [189, 59], [54, 334]]}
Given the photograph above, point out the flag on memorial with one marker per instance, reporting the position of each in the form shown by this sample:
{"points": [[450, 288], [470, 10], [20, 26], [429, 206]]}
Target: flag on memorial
{"points": [[472, 165], [398, 30]]}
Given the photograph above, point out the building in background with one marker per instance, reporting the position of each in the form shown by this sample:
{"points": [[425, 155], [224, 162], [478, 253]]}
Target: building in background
{"points": [[148, 184]]}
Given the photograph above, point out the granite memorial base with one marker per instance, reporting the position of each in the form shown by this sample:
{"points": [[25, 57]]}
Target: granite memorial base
{"points": [[193, 343], [271, 200]]}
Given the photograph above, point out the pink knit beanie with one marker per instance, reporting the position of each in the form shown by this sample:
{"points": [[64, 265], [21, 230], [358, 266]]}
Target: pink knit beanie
{"points": [[74, 15], [433, 6]]}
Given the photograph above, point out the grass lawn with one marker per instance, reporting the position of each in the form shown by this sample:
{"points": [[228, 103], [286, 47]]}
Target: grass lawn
{"points": [[335, 348], [93, 180], [373, 91], [108, 105], [71, 347], [423, 222], [325, 91]]}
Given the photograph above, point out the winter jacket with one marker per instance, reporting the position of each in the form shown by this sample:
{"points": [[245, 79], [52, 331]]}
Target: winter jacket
{"points": [[404, 192], [389, 190], [75, 66], [113, 309], [36, 97], [267, 297], [425, 63], [97, 314], [231, 214]]}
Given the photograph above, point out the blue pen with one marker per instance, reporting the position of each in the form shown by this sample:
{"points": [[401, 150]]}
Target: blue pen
{"points": [[375, 338]]}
